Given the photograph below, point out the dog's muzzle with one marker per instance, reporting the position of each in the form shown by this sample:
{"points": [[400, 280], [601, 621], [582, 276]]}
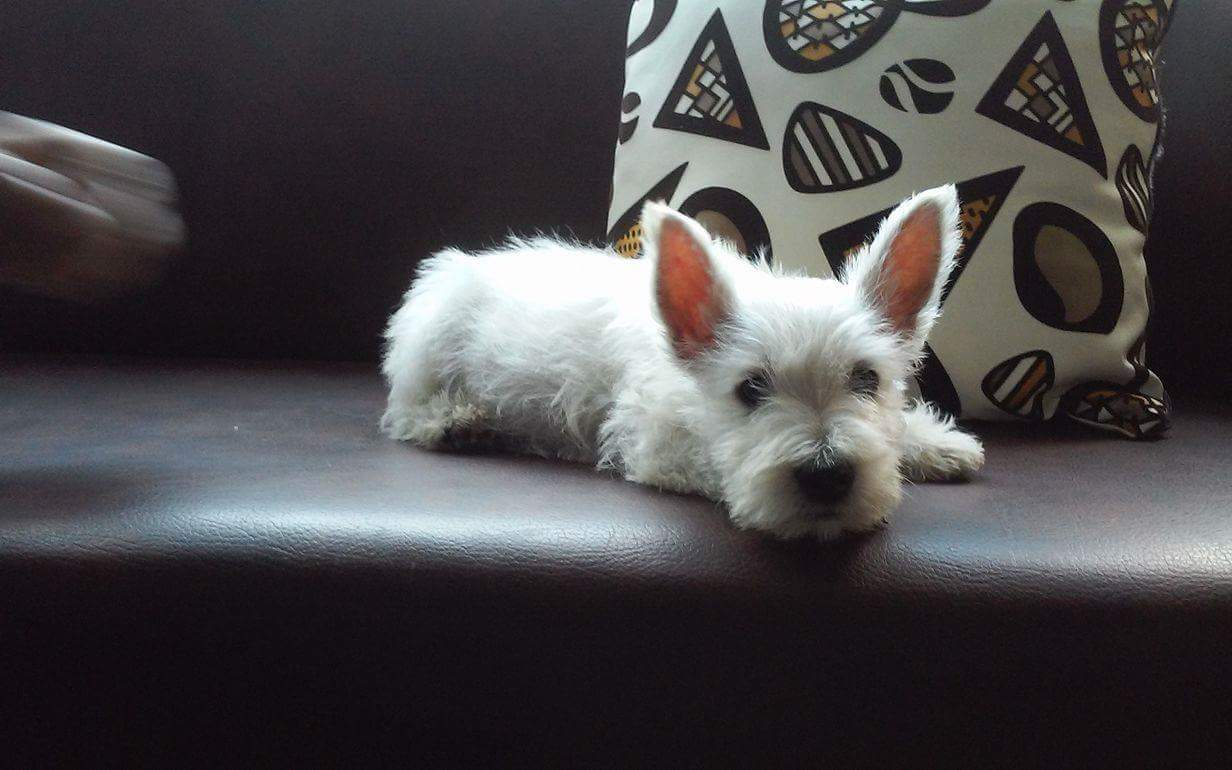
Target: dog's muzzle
{"points": [[826, 482]]}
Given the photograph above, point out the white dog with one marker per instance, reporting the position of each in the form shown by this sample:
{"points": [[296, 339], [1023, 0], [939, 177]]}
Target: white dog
{"points": [[693, 369]]}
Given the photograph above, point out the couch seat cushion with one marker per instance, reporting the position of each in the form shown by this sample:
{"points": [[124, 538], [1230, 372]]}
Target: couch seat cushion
{"points": [[215, 528]]}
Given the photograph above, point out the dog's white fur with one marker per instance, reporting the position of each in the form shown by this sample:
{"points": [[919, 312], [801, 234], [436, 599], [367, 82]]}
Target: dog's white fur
{"points": [[569, 352]]}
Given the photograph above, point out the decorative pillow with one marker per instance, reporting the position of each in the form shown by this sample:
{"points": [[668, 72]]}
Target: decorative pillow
{"points": [[795, 125]]}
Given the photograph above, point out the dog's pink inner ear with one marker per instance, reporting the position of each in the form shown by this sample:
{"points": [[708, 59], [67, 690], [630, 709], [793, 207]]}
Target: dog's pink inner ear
{"points": [[911, 268], [689, 297]]}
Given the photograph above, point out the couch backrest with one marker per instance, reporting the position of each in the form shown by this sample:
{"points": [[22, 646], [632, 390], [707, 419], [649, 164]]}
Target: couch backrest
{"points": [[323, 146]]}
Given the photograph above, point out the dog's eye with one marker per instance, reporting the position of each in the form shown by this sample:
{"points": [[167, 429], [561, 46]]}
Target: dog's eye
{"points": [[754, 389], [864, 381]]}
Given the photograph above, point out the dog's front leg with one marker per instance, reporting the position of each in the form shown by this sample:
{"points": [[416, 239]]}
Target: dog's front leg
{"points": [[934, 449], [647, 446]]}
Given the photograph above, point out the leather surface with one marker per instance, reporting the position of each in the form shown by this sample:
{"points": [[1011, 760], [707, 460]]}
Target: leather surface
{"points": [[225, 561], [229, 556], [323, 147]]}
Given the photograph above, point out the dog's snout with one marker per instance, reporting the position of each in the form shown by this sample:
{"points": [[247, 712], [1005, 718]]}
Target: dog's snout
{"points": [[826, 482]]}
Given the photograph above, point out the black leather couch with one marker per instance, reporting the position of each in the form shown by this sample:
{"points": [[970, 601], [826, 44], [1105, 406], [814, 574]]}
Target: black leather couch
{"points": [[208, 553]]}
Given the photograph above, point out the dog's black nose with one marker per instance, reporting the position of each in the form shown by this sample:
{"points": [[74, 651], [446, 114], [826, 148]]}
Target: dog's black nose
{"points": [[826, 482]]}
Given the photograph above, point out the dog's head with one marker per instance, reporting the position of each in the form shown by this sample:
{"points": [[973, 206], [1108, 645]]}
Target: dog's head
{"points": [[802, 380]]}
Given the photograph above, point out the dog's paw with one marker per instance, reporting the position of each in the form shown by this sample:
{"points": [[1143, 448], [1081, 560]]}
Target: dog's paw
{"points": [[668, 475], [466, 427], [951, 455], [667, 481], [440, 423]]}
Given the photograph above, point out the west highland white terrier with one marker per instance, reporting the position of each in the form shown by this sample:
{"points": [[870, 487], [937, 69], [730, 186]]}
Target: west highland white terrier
{"points": [[693, 369]]}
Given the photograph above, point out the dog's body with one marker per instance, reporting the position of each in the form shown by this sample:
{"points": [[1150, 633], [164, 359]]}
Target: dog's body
{"points": [[693, 369]]}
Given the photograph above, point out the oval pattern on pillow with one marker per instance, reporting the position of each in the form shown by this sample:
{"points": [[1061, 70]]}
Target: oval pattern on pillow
{"points": [[944, 7], [729, 215], [1018, 385], [817, 35], [1130, 31], [826, 150], [1066, 271]]}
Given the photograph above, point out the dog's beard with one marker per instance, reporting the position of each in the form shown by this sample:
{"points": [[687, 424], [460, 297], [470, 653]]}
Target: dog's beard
{"points": [[759, 484]]}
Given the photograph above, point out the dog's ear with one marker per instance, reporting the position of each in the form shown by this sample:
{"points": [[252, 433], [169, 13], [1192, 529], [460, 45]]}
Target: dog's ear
{"points": [[901, 274], [691, 295]]}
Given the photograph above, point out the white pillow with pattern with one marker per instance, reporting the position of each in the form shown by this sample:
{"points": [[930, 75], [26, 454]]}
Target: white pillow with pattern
{"points": [[795, 125]]}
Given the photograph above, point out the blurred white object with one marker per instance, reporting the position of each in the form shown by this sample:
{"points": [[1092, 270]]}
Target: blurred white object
{"points": [[81, 218]]}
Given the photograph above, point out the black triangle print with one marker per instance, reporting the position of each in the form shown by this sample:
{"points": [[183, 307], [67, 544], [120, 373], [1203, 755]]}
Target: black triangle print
{"points": [[711, 97], [841, 243], [936, 386], [1039, 95], [626, 234], [979, 200]]}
